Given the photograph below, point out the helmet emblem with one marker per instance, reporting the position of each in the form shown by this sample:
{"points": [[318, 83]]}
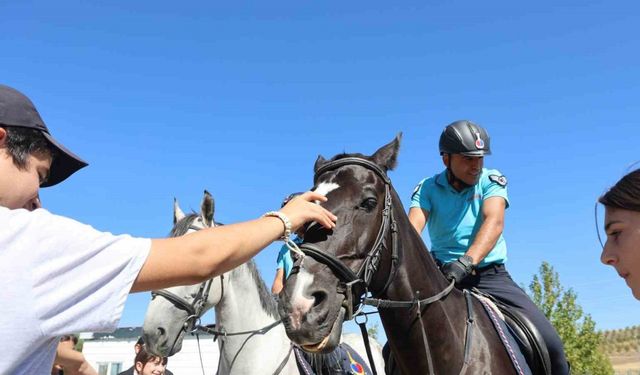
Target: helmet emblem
{"points": [[479, 142]]}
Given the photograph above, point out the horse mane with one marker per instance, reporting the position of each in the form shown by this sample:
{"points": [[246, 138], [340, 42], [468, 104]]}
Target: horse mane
{"points": [[183, 225], [267, 301]]}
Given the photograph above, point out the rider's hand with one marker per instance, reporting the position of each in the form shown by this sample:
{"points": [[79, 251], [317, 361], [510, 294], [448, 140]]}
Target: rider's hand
{"points": [[303, 209], [459, 269]]}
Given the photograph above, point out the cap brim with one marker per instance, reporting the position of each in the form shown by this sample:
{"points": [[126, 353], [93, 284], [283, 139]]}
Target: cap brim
{"points": [[64, 164]]}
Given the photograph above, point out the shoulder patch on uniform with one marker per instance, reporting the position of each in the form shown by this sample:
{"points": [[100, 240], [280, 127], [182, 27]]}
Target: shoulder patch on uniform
{"points": [[415, 191], [500, 180]]}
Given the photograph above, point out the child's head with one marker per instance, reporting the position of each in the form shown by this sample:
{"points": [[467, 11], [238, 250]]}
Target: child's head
{"points": [[148, 364]]}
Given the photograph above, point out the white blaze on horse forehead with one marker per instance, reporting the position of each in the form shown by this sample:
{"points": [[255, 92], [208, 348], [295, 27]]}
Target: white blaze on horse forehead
{"points": [[325, 188], [299, 303]]}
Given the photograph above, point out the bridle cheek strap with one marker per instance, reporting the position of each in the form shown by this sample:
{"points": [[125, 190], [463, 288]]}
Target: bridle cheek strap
{"points": [[354, 286]]}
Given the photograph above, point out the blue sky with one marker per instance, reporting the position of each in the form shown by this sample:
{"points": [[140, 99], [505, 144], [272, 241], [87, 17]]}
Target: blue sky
{"points": [[167, 99]]}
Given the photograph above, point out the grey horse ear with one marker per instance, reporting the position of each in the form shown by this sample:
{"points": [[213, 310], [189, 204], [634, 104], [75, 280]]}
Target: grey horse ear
{"points": [[177, 212], [207, 208], [319, 162], [387, 155]]}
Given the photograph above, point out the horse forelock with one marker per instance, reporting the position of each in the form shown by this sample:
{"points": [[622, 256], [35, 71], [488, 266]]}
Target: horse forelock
{"points": [[183, 225]]}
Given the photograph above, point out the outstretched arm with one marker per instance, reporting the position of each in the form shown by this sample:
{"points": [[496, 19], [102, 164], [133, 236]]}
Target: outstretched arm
{"points": [[493, 214], [210, 252]]}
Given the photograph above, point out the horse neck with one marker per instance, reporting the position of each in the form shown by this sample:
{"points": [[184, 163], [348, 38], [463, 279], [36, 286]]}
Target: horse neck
{"points": [[245, 303], [244, 307], [417, 271]]}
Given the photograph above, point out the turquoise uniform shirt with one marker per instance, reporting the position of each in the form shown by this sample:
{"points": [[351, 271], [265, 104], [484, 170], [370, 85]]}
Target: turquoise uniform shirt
{"points": [[455, 217], [284, 260]]}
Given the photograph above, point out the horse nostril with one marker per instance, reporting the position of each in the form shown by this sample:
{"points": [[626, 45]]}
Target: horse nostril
{"points": [[161, 331], [318, 298]]}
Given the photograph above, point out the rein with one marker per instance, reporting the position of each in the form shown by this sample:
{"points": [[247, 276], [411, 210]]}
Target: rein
{"points": [[355, 285]]}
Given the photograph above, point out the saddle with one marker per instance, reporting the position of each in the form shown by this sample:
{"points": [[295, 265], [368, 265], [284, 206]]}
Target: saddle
{"points": [[526, 335]]}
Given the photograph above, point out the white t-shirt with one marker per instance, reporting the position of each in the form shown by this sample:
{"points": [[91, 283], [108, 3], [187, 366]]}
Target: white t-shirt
{"points": [[58, 276]]}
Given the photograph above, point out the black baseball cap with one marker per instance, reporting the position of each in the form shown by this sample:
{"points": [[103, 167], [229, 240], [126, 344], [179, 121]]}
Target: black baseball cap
{"points": [[17, 110]]}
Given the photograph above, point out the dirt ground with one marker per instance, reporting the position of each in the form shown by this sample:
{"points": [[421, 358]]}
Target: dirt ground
{"points": [[628, 364]]}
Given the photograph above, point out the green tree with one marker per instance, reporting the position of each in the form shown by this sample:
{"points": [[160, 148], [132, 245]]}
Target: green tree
{"points": [[577, 330], [373, 331]]}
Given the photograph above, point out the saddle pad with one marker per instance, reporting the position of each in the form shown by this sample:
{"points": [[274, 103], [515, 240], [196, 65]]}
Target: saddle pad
{"points": [[343, 361], [510, 344]]}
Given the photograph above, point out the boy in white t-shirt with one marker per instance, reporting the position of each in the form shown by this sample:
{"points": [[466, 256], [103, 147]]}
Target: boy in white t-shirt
{"points": [[60, 276]]}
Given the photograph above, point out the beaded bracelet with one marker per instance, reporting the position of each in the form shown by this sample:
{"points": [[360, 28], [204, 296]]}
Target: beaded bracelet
{"points": [[285, 221]]}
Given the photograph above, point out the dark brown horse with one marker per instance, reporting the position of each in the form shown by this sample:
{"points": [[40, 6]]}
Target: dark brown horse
{"points": [[375, 249]]}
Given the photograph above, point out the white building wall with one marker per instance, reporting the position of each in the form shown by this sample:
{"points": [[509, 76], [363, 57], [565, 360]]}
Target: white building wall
{"points": [[186, 362]]}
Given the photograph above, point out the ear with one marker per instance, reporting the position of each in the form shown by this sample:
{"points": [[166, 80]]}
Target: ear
{"points": [[320, 161], [387, 155], [446, 159], [139, 367], [177, 212], [206, 208], [3, 136]]}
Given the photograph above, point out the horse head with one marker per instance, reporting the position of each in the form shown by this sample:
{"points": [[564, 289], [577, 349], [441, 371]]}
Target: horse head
{"points": [[175, 311], [339, 267]]}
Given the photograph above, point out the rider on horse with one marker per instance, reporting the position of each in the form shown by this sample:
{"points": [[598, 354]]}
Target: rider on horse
{"points": [[463, 208]]}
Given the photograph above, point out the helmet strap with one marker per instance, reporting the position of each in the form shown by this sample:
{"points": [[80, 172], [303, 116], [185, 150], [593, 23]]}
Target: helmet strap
{"points": [[453, 179]]}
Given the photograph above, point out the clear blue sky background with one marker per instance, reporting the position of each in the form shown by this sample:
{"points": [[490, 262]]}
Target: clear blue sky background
{"points": [[166, 99]]}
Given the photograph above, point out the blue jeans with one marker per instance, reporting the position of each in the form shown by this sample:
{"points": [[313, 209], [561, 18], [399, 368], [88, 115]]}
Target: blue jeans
{"points": [[496, 281]]}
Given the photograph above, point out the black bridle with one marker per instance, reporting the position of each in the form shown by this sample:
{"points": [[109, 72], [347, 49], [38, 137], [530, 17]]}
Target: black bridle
{"points": [[355, 285]]}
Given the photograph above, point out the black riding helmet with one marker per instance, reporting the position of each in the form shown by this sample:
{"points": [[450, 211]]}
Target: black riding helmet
{"points": [[466, 138]]}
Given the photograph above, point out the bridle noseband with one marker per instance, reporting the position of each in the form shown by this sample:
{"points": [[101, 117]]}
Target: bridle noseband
{"points": [[355, 285]]}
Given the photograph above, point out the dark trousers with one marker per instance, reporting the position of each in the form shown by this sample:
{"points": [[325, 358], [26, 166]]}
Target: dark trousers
{"points": [[496, 281]]}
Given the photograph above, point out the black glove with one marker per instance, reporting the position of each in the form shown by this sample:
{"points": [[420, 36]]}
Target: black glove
{"points": [[459, 269]]}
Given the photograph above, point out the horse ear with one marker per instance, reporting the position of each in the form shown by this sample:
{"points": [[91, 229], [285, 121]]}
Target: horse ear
{"points": [[387, 155], [319, 162], [207, 207], [177, 212]]}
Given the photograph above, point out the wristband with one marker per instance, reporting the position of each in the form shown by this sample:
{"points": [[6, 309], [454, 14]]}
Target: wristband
{"points": [[285, 221]]}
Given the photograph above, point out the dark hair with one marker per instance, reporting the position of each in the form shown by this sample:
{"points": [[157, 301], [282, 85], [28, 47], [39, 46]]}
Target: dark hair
{"points": [[625, 193], [22, 142], [73, 338], [145, 357]]}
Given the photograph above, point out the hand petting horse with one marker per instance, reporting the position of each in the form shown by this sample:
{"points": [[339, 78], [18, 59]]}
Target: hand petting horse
{"points": [[251, 337]]}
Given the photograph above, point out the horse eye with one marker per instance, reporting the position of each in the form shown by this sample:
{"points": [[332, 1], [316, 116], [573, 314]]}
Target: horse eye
{"points": [[369, 204]]}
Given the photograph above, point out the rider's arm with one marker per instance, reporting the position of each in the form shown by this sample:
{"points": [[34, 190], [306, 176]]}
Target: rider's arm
{"points": [[418, 218], [201, 255], [278, 281], [493, 214]]}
